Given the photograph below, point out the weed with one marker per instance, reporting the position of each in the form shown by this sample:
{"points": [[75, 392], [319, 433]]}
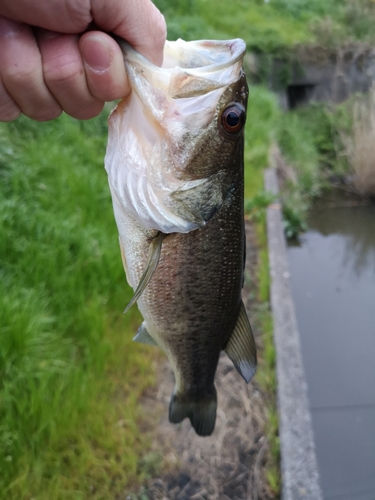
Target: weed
{"points": [[273, 477], [263, 113], [266, 373], [150, 464], [294, 221], [255, 207]]}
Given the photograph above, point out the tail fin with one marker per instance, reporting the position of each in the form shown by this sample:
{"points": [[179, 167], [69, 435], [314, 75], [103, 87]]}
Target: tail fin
{"points": [[201, 412]]}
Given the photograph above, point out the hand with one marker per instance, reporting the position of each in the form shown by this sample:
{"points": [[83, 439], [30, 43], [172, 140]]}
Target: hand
{"points": [[48, 66]]}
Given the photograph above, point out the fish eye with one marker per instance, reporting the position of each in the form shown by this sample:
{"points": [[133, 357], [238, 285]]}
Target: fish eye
{"points": [[233, 118]]}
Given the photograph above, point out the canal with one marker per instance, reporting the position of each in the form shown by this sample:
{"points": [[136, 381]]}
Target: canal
{"points": [[333, 285]]}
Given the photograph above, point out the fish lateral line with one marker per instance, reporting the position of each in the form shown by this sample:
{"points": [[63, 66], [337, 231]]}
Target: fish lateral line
{"points": [[153, 257]]}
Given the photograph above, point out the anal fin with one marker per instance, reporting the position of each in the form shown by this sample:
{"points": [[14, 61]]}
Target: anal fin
{"points": [[143, 336], [240, 348], [151, 264]]}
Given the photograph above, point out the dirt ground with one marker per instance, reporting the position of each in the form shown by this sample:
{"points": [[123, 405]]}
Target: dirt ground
{"points": [[231, 463]]}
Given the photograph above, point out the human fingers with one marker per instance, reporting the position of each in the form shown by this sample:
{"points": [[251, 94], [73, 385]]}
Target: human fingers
{"points": [[139, 22], [22, 87], [64, 16], [104, 66], [65, 76]]}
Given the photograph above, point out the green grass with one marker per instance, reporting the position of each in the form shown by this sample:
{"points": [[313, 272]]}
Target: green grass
{"points": [[266, 374], [69, 371], [262, 130], [263, 114]]}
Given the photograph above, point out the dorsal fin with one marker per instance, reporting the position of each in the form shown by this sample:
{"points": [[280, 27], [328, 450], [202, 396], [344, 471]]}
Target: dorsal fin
{"points": [[143, 336], [240, 348], [151, 264]]}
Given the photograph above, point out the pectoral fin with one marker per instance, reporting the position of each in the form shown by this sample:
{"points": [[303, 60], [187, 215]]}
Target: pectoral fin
{"points": [[143, 336], [151, 264], [199, 200], [240, 348]]}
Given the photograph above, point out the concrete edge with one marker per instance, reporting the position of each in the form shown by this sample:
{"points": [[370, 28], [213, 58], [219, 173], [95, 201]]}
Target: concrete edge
{"points": [[300, 478]]}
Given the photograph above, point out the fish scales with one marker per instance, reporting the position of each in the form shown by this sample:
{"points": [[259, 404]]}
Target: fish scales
{"points": [[190, 294]]}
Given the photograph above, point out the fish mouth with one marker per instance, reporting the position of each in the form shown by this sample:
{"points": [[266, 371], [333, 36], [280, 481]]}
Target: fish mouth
{"points": [[189, 68]]}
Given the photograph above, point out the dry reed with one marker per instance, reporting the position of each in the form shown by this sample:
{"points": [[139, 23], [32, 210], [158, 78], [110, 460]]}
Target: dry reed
{"points": [[360, 144]]}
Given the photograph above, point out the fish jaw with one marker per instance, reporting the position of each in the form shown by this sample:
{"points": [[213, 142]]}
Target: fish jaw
{"points": [[189, 68], [157, 133]]}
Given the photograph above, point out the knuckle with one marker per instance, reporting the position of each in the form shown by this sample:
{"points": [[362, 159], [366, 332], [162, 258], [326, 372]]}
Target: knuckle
{"points": [[9, 110], [63, 73], [15, 75], [9, 113]]}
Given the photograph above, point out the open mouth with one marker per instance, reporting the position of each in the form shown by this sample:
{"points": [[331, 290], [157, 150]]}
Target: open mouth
{"points": [[189, 68]]}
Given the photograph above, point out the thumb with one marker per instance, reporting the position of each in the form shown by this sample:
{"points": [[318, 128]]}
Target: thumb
{"points": [[104, 66]]}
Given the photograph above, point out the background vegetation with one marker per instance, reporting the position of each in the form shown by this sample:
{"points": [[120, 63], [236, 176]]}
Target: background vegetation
{"points": [[272, 26], [70, 377]]}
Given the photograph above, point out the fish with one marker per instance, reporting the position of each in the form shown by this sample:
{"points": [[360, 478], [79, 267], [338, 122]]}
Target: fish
{"points": [[175, 165]]}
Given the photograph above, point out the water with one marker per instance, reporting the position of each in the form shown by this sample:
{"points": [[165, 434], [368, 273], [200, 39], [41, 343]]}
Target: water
{"points": [[333, 286]]}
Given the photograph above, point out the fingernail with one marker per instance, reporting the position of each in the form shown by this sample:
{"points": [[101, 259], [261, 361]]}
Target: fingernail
{"points": [[9, 27], [96, 54]]}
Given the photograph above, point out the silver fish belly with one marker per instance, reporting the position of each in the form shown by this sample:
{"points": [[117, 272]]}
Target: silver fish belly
{"points": [[175, 168]]}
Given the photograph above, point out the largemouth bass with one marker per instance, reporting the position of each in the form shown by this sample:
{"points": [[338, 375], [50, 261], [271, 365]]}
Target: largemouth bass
{"points": [[175, 167]]}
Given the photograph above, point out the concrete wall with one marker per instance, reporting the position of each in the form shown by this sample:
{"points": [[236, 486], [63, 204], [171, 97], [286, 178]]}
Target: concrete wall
{"points": [[333, 78]]}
